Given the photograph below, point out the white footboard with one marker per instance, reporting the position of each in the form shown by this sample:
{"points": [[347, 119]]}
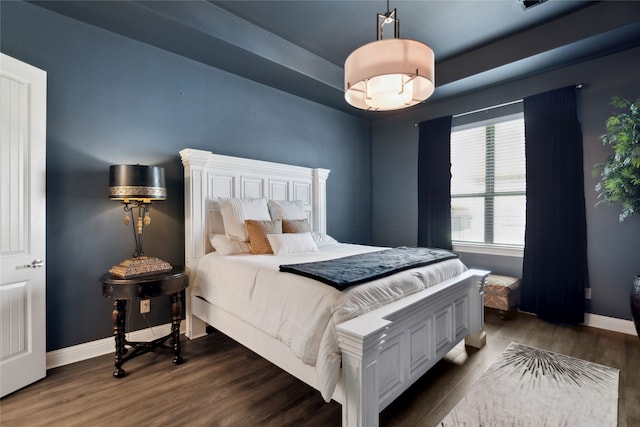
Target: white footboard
{"points": [[387, 350]]}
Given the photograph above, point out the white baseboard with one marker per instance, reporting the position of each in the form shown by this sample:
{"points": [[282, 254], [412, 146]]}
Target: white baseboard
{"points": [[85, 351], [610, 323]]}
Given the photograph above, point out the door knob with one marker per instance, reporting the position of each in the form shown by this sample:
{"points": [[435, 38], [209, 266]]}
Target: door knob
{"points": [[36, 263]]}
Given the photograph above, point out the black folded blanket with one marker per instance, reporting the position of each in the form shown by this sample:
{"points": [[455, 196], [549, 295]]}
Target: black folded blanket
{"points": [[356, 269]]}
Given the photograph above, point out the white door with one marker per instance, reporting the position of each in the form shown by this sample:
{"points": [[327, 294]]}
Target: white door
{"points": [[23, 103]]}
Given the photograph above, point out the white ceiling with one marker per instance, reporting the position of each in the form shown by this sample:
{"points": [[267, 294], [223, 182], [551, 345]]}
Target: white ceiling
{"points": [[299, 46]]}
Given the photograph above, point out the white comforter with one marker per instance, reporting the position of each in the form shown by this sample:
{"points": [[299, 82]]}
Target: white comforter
{"points": [[303, 312]]}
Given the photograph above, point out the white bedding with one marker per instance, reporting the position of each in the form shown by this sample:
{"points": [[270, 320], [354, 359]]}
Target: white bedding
{"points": [[303, 312]]}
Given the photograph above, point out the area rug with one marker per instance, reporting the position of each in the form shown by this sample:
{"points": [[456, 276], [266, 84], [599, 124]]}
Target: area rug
{"points": [[529, 387]]}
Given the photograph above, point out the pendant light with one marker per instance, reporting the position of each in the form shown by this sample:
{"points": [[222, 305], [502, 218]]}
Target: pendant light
{"points": [[389, 74]]}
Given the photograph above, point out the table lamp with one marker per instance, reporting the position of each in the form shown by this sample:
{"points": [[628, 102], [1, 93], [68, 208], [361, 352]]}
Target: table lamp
{"points": [[136, 186]]}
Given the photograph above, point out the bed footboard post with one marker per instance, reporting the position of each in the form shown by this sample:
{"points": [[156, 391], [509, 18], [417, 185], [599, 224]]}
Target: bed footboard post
{"points": [[477, 337], [360, 374]]}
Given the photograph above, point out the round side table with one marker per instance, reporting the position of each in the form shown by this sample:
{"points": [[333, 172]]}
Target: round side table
{"points": [[120, 290]]}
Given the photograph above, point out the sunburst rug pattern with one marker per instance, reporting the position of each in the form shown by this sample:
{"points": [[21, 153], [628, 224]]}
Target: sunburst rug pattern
{"points": [[530, 387]]}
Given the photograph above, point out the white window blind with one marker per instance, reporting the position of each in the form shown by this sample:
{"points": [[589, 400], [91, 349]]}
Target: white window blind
{"points": [[488, 181]]}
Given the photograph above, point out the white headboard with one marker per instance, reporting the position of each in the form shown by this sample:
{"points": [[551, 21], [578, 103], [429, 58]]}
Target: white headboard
{"points": [[208, 176]]}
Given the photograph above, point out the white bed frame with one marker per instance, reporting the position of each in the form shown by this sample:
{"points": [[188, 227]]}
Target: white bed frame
{"points": [[384, 351]]}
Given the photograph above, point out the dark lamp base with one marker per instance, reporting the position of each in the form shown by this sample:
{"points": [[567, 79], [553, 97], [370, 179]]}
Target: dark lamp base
{"points": [[141, 266]]}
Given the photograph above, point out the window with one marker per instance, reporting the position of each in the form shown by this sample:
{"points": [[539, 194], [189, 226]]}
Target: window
{"points": [[488, 182]]}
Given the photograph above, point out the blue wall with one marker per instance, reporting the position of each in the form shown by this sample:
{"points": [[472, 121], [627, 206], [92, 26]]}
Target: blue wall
{"points": [[114, 100]]}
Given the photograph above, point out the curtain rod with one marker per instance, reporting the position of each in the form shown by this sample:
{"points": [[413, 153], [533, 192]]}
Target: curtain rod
{"points": [[487, 108], [578, 86]]}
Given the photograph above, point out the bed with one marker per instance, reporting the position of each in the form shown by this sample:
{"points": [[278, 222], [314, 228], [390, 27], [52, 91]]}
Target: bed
{"points": [[363, 359]]}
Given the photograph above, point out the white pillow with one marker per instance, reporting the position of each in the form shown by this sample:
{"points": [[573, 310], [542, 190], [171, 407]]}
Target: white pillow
{"points": [[236, 211], [225, 246], [282, 209], [291, 243], [214, 219], [322, 239]]}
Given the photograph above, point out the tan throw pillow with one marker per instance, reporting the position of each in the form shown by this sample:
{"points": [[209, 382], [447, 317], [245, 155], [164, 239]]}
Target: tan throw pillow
{"points": [[258, 230], [296, 226]]}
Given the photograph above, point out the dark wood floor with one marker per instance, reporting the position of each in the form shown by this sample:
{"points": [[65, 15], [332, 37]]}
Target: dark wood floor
{"points": [[223, 384]]}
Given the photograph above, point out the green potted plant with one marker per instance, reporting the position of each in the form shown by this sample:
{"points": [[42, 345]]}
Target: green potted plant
{"points": [[620, 174]]}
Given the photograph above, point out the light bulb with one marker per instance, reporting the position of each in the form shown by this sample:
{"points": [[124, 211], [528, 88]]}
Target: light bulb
{"points": [[388, 91]]}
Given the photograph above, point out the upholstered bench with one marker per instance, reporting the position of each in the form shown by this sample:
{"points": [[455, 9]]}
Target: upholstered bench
{"points": [[503, 294]]}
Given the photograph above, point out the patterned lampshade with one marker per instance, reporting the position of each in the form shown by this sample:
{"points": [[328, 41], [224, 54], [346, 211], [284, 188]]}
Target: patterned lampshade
{"points": [[137, 182]]}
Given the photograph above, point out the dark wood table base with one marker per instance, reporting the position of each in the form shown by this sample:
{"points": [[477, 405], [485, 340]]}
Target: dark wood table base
{"points": [[121, 290], [139, 348]]}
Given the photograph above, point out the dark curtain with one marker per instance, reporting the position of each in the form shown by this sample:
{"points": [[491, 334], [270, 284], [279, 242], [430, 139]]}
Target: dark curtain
{"points": [[554, 272], [434, 184]]}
